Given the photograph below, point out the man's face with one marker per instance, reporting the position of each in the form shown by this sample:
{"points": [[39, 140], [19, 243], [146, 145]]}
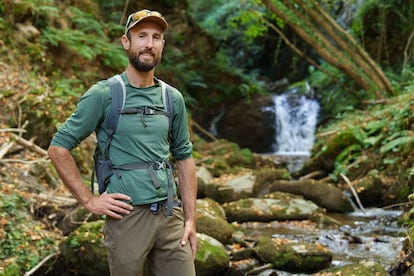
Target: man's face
{"points": [[145, 46]]}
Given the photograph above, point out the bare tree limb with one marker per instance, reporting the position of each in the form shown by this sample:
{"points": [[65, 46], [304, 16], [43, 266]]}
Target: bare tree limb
{"points": [[20, 130], [39, 265], [5, 149], [331, 42], [30, 145], [353, 192]]}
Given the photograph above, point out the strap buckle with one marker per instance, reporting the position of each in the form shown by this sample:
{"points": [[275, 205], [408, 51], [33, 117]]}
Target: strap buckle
{"points": [[148, 111], [160, 165]]}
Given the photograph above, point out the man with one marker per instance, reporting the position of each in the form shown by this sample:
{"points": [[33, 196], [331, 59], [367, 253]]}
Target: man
{"points": [[134, 231]]}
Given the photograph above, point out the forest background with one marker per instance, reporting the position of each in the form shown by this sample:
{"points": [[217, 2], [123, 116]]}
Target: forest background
{"points": [[358, 56]]}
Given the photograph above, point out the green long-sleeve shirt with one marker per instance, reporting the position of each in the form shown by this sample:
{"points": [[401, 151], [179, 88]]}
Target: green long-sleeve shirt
{"points": [[138, 138]]}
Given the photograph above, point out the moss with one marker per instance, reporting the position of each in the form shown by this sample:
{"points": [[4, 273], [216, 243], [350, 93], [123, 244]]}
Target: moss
{"points": [[293, 257], [211, 257]]}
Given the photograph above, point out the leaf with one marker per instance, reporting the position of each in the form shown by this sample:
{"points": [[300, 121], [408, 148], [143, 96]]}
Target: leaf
{"points": [[396, 142]]}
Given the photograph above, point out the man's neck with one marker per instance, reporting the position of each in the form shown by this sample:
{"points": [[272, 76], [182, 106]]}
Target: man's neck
{"points": [[138, 78]]}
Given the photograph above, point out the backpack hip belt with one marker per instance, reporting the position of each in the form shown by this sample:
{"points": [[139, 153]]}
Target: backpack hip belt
{"points": [[151, 167]]}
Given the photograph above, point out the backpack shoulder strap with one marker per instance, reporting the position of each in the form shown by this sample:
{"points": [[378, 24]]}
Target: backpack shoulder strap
{"points": [[168, 101], [118, 94]]}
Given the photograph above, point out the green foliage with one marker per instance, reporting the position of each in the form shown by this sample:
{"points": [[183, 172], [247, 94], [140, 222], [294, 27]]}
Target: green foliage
{"points": [[386, 132], [334, 99], [87, 37], [22, 245]]}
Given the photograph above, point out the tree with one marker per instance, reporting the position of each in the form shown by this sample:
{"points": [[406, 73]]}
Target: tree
{"points": [[315, 26]]}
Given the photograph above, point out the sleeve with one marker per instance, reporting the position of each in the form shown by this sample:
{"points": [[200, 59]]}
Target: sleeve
{"points": [[88, 115], [182, 147]]}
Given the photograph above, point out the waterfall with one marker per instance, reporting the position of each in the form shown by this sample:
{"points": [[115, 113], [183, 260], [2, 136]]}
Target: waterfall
{"points": [[296, 120]]}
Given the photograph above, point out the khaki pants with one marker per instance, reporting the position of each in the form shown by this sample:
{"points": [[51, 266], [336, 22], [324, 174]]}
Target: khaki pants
{"points": [[143, 235]]}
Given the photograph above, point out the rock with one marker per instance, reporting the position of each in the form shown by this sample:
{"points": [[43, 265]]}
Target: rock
{"points": [[370, 190], [324, 195], [239, 119], [203, 178], [293, 256], [211, 220], [266, 209], [84, 251], [364, 268], [211, 258], [232, 188]]}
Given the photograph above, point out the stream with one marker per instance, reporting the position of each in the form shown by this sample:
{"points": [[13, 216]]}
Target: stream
{"points": [[373, 235]]}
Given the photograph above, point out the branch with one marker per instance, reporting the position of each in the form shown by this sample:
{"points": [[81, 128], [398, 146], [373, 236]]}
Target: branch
{"points": [[205, 132], [407, 46], [30, 145], [5, 149], [301, 54], [59, 200], [20, 130], [39, 265], [353, 192]]}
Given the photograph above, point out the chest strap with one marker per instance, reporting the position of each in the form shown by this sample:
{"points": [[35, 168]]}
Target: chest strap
{"points": [[144, 111]]}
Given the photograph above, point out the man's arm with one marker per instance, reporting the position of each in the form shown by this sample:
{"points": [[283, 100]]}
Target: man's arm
{"points": [[106, 204], [188, 192]]}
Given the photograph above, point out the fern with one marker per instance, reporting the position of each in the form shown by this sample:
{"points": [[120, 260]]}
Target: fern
{"points": [[395, 143]]}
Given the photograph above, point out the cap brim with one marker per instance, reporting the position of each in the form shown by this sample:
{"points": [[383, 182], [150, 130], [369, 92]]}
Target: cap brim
{"points": [[151, 18]]}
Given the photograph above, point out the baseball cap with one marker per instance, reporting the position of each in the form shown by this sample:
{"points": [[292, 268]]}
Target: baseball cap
{"points": [[145, 15]]}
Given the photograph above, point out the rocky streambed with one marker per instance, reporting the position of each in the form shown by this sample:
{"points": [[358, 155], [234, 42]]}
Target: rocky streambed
{"points": [[250, 224]]}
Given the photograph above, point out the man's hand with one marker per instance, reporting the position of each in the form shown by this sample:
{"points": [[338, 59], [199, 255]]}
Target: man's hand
{"points": [[190, 235], [112, 205]]}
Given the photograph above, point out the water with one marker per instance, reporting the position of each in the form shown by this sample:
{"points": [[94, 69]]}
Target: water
{"points": [[373, 235], [296, 121]]}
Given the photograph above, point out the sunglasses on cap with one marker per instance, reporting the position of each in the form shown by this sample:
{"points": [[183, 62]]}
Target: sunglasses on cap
{"points": [[145, 15]]}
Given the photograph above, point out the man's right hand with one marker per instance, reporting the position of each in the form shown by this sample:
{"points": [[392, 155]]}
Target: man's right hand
{"points": [[112, 205]]}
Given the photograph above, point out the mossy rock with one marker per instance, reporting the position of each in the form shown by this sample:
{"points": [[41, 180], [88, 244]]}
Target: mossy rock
{"points": [[293, 256], [361, 269], [268, 209], [211, 220], [211, 258], [84, 251]]}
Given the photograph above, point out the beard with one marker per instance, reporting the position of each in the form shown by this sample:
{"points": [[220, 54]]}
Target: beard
{"points": [[141, 66]]}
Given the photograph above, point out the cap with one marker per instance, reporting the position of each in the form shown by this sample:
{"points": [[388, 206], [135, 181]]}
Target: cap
{"points": [[146, 15]]}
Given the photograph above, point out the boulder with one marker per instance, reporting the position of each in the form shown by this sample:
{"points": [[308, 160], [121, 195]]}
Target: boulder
{"points": [[211, 220], [293, 256], [211, 258], [231, 188], [363, 268], [268, 209], [84, 251]]}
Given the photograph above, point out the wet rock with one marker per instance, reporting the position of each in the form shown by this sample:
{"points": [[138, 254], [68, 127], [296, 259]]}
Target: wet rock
{"points": [[367, 268], [211, 220], [266, 209], [293, 256], [211, 258]]}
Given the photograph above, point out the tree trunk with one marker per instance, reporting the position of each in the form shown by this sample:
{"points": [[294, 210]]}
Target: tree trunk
{"points": [[332, 43]]}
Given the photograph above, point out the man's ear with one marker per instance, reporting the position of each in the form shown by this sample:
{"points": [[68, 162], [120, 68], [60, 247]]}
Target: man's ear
{"points": [[125, 42]]}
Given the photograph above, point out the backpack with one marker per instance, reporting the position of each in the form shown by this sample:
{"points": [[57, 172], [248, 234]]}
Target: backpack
{"points": [[103, 166]]}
